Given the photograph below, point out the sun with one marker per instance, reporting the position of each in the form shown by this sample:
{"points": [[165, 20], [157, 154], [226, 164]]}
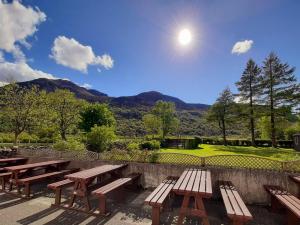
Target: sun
{"points": [[185, 37]]}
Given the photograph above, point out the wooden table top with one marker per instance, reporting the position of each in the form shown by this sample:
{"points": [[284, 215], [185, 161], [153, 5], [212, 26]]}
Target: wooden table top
{"points": [[94, 172], [194, 181], [8, 160], [296, 179], [36, 165]]}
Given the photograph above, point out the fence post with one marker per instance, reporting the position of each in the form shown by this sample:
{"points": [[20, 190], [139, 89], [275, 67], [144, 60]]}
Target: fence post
{"points": [[202, 161], [98, 156], [283, 166]]}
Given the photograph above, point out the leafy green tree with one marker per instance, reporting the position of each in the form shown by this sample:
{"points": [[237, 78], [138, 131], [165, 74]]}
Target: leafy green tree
{"points": [[20, 108], [100, 138], [222, 112], [152, 124], [249, 92], [96, 114], [64, 109], [280, 88], [165, 111]]}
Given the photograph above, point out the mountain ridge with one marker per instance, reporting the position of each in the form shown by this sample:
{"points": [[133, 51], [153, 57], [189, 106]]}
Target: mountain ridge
{"points": [[146, 99]]}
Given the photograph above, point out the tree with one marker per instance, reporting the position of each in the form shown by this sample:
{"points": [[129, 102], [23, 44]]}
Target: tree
{"points": [[66, 110], [100, 138], [152, 124], [222, 111], [96, 114], [249, 91], [20, 107], [280, 89], [165, 111]]}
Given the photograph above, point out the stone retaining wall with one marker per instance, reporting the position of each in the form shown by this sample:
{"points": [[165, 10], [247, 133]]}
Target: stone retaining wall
{"points": [[248, 182]]}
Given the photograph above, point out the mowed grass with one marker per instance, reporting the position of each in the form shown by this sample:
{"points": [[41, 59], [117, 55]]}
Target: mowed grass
{"points": [[204, 150]]}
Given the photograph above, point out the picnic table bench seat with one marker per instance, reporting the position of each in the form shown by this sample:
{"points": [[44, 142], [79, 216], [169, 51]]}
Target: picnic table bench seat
{"points": [[115, 186], [236, 209], [281, 198], [159, 197], [28, 181], [4, 177], [58, 186]]}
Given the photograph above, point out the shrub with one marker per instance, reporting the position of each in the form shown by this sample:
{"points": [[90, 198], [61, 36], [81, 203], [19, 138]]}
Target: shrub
{"points": [[150, 145], [133, 146], [100, 138], [153, 157], [69, 145]]}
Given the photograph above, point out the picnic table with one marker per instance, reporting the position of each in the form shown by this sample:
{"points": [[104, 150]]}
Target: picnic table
{"points": [[83, 180], [18, 171], [11, 162], [194, 183]]}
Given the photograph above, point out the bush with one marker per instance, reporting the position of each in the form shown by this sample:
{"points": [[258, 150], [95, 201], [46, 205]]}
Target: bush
{"points": [[150, 145], [100, 138], [69, 145], [133, 146]]}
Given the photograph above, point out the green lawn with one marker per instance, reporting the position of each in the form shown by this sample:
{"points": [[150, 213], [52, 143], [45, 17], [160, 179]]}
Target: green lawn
{"points": [[212, 150]]}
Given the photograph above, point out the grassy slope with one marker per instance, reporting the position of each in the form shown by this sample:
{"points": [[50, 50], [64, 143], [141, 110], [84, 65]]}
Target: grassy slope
{"points": [[211, 150]]}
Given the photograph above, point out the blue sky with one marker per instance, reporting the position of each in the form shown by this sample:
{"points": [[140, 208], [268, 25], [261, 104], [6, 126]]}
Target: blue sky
{"points": [[134, 43]]}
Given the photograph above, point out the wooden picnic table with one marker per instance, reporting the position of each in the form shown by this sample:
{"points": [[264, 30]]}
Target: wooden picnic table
{"points": [[54, 165], [83, 180], [11, 162], [194, 183]]}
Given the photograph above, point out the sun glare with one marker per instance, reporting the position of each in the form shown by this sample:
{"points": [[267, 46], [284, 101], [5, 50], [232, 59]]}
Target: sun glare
{"points": [[184, 37]]}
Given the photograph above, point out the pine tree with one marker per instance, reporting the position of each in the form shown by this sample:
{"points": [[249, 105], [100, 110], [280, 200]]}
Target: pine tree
{"points": [[280, 88], [249, 91], [221, 111]]}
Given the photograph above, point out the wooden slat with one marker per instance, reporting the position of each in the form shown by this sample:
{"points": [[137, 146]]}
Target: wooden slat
{"points": [[112, 186], [234, 203], [202, 182], [36, 165], [160, 193], [8, 160], [242, 205], [96, 171], [60, 184], [42, 176], [226, 200], [166, 193], [288, 204], [153, 193], [197, 181], [179, 181], [208, 182], [185, 181], [191, 182]]}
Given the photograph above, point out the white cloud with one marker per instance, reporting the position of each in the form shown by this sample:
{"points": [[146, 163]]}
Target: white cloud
{"points": [[20, 71], [17, 23], [87, 86], [69, 52], [1, 57], [241, 47]]}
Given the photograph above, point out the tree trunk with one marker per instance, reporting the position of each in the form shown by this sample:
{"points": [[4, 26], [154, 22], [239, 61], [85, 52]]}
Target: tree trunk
{"points": [[224, 132], [16, 138], [63, 135], [273, 132], [252, 116]]}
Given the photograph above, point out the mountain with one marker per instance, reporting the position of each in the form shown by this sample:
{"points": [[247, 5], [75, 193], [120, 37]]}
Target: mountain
{"points": [[146, 99], [129, 110], [150, 98], [50, 85]]}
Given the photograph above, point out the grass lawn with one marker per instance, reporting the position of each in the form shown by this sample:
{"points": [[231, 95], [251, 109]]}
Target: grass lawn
{"points": [[211, 150]]}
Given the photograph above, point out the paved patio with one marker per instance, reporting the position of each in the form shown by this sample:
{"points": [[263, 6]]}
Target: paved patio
{"points": [[37, 210]]}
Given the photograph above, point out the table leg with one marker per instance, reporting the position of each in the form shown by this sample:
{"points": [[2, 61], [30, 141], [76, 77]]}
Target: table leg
{"points": [[183, 209], [200, 206], [76, 187]]}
